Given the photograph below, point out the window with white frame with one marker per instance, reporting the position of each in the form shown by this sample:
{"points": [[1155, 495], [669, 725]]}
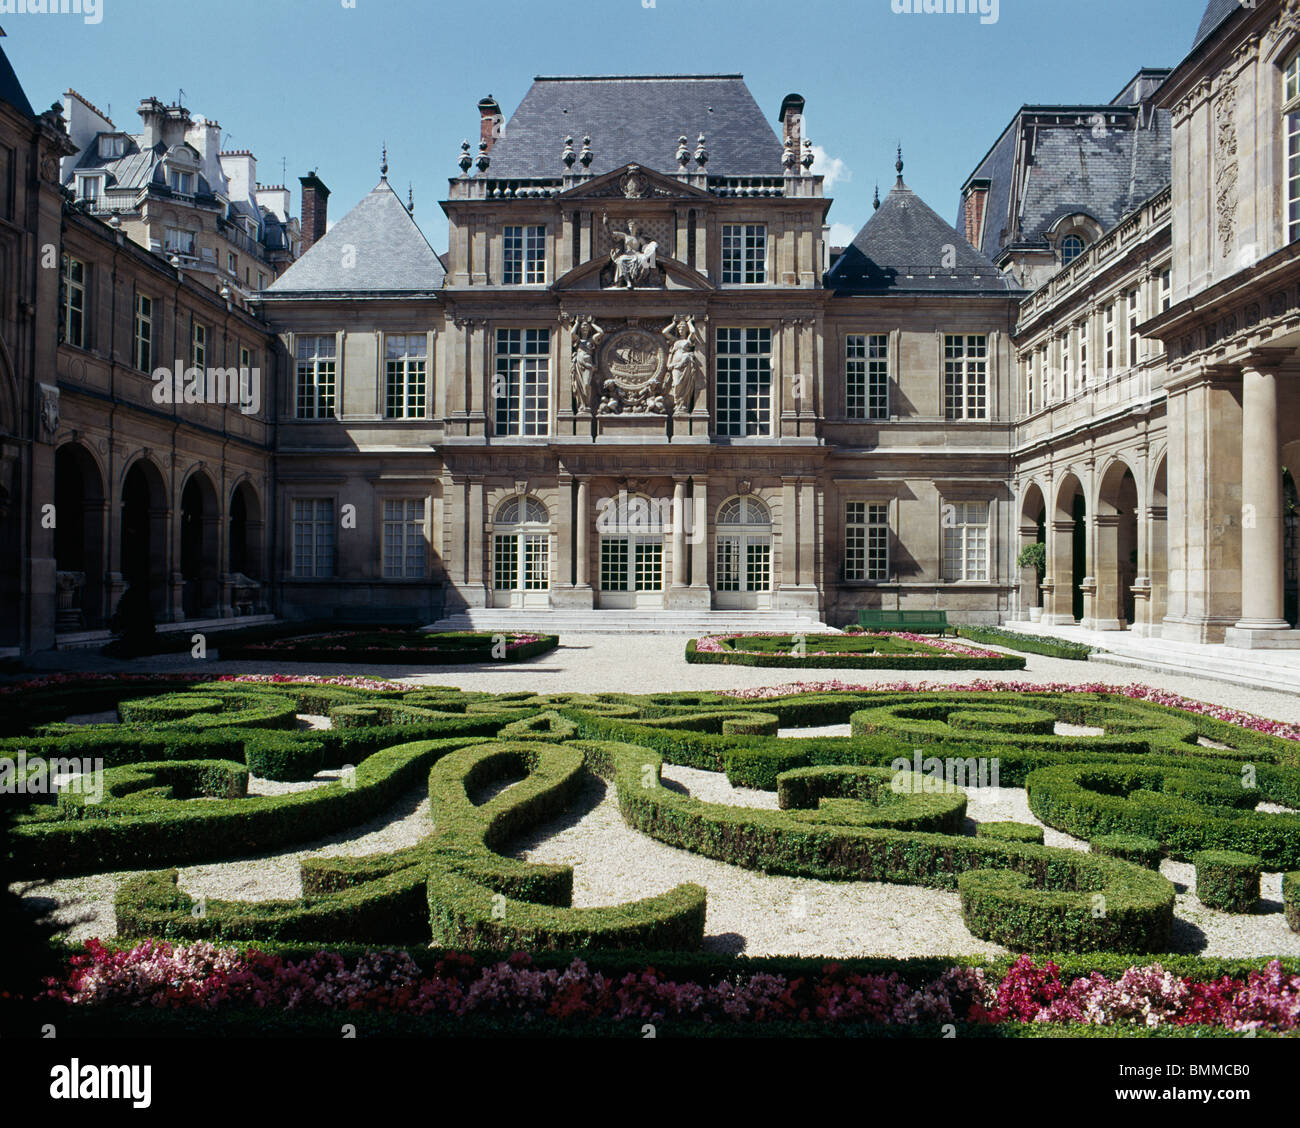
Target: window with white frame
{"points": [[316, 377], [866, 542], [744, 254], [744, 379], [966, 541], [111, 146], [1067, 372], [1134, 320], [1166, 289], [90, 188], [1110, 340], [199, 346], [313, 538], [632, 548], [178, 241], [232, 264], [521, 546], [522, 381], [142, 346], [525, 255], [72, 302], [1082, 331], [245, 358], [866, 375], [1030, 382], [1045, 374], [1291, 122], [405, 545], [965, 376], [1072, 246], [405, 372], [180, 182]]}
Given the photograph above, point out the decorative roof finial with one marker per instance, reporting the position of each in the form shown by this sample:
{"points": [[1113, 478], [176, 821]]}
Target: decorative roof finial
{"points": [[899, 165], [383, 168], [466, 162], [809, 158], [569, 156], [875, 206], [586, 156], [701, 151], [410, 197]]}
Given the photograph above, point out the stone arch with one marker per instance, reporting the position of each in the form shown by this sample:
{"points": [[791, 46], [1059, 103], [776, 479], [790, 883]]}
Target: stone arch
{"points": [[80, 507], [1115, 525], [199, 554], [143, 513], [1068, 549], [742, 553], [1032, 530], [246, 541], [1157, 546]]}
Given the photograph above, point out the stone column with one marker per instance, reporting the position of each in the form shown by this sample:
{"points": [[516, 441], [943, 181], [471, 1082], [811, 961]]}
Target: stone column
{"points": [[679, 533], [1262, 623], [1058, 584], [583, 547], [1028, 575], [700, 538], [1107, 603]]}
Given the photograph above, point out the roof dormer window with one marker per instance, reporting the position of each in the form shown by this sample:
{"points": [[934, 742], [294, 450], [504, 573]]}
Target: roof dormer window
{"points": [[1072, 247], [180, 182], [90, 188], [111, 146]]}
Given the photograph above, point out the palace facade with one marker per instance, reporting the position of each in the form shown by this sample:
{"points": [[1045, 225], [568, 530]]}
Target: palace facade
{"points": [[639, 379]]}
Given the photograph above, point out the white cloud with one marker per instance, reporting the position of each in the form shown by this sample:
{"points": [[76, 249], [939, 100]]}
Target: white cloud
{"points": [[832, 168], [841, 234]]}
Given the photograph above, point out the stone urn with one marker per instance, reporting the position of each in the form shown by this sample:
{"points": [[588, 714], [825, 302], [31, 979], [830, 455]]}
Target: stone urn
{"points": [[70, 587]]}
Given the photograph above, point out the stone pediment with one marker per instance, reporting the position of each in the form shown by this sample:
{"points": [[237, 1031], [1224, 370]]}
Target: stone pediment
{"points": [[633, 182], [671, 275]]}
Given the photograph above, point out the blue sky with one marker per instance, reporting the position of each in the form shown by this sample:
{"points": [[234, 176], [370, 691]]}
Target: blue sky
{"points": [[317, 84]]}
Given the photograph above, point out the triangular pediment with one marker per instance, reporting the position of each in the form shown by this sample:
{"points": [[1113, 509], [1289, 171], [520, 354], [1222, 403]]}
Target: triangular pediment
{"points": [[634, 182]]}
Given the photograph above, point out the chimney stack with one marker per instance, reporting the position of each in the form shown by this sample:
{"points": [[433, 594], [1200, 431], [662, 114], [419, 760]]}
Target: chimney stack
{"points": [[490, 122], [315, 210], [977, 196], [791, 119]]}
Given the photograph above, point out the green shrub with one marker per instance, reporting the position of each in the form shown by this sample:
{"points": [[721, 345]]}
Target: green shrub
{"points": [[857, 796], [1027, 643], [1133, 848], [1291, 899], [1010, 832], [1227, 880], [850, 661]]}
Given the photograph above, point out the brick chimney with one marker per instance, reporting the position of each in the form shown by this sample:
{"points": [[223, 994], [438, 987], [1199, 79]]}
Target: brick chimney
{"points": [[791, 119], [490, 121], [977, 198], [315, 210]]}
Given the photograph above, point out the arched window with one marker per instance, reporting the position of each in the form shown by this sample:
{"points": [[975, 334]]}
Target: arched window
{"points": [[1072, 247], [521, 550], [632, 550], [743, 551], [1291, 131]]}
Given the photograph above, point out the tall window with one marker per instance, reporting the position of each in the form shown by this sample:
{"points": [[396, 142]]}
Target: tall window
{"points": [[966, 541], [404, 540], [1029, 382], [521, 546], [525, 255], [317, 376], [744, 254], [1067, 372], [743, 547], [72, 302], [143, 344], [181, 182], [1110, 341], [1082, 330], [1166, 289], [1134, 320], [632, 547], [744, 396], [313, 538], [404, 375], [866, 375], [245, 358], [1291, 110], [177, 241], [521, 386], [1071, 249], [199, 346], [965, 376], [866, 541], [1045, 375]]}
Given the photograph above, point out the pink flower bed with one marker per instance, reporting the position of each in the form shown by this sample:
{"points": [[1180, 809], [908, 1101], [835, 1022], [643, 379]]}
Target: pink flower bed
{"points": [[1136, 692], [715, 644], [156, 974]]}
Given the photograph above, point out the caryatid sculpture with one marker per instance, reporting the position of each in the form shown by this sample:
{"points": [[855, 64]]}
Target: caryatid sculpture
{"points": [[686, 368], [586, 335]]}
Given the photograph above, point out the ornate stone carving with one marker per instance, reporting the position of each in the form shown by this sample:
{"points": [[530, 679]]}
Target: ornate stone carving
{"points": [[631, 255], [1225, 168], [632, 364], [49, 409], [635, 186], [687, 374], [586, 335]]}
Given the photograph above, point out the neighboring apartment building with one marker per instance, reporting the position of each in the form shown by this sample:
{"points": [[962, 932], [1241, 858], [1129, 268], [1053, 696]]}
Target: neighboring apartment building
{"points": [[176, 192]]}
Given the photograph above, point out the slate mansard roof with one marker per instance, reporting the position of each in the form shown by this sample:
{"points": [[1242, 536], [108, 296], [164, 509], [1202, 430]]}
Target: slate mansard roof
{"points": [[1074, 166], [637, 120], [903, 248], [1216, 12], [376, 248]]}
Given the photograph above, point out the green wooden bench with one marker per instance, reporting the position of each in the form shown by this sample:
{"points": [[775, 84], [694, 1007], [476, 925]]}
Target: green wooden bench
{"points": [[920, 622]]}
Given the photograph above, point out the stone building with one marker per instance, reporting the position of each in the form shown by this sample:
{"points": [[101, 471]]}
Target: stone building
{"points": [[636, 386]]}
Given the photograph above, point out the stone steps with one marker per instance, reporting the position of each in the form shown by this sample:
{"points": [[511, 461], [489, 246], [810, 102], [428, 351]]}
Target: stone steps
{"points": [[571, 622]]}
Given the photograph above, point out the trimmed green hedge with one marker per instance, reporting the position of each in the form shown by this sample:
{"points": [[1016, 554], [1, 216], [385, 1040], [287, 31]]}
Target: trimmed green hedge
{"points": [[1291, 899], [858, 796], [918, 661], [1027, 643], [412, 647], [1133, 848], [1010, 832], [1227, 880]]}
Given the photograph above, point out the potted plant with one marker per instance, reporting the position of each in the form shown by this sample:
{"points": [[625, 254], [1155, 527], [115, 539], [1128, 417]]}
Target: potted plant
{"points": [[1034, 556]]}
